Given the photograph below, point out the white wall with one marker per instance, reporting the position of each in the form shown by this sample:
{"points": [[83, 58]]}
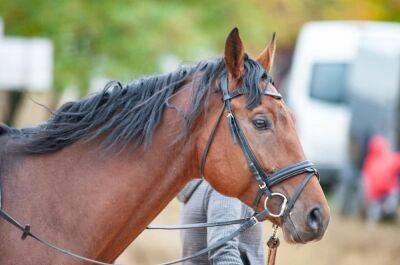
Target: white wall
{"points": [[26, 63]]}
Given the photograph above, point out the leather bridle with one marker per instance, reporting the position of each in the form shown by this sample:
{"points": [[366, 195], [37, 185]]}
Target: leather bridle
{"points": [[264, 180]]}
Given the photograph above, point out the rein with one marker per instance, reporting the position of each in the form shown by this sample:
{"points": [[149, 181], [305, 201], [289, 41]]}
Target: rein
{"points": [[264, 181], [26, 231]]}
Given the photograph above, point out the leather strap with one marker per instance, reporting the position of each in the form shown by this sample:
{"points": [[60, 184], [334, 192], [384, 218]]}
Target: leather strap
{"points": [[209, 142], [258, 217], [273, 244], [26, 231], [297, 193], [237, 133], [291, 171], [272, 255], [197, 225]]}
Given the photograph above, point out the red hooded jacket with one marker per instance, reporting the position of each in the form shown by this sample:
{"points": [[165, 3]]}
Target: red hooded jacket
{"points": [[380, 170]]}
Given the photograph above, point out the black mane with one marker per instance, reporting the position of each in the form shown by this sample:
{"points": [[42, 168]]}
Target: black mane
{"points": [[127, 115]]}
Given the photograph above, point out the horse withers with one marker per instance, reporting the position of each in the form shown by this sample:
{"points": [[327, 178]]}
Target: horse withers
{"points": [[99, 170]]}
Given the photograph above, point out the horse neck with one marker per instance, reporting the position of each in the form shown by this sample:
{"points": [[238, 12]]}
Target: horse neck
{"points": [[98, 203]]}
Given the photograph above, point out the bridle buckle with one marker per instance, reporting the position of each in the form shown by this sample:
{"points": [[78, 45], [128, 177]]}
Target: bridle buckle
{"points": [[262, 185], [255, 220]]}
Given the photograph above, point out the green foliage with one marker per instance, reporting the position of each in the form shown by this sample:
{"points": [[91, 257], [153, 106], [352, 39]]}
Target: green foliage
{"points": [[123, 39]]}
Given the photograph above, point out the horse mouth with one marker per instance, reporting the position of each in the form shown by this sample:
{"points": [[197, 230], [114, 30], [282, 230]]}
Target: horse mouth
{"points": [[290, 232], [293, 235]]}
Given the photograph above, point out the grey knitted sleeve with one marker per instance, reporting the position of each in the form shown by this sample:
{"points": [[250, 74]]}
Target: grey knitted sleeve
{"points": [[221, 208]]}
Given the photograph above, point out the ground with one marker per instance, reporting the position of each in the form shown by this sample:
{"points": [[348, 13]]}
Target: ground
{"points": [[348, 241]]}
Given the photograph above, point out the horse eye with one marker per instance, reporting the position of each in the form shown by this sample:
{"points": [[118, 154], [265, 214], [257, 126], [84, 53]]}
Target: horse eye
{"points": [[261, 123]]}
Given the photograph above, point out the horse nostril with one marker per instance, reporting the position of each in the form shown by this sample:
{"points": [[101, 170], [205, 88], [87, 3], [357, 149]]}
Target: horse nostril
{"points": [[314, 220]]}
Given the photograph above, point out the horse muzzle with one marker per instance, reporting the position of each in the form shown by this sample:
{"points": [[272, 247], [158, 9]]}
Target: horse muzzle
{"points": [[300, 228]]}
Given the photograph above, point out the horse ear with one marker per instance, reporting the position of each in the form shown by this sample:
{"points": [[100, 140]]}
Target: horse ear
{"points": [[266, 58], [234, 54]]}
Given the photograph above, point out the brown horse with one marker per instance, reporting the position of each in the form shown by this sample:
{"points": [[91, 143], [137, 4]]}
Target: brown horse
{"points": [[99, 171]]}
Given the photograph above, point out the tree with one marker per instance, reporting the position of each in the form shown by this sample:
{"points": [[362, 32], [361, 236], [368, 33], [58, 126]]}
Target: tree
{"points": [[123, 39]]}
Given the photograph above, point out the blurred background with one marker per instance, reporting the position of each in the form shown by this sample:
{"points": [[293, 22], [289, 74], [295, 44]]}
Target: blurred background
{"points": [[337, 64]]}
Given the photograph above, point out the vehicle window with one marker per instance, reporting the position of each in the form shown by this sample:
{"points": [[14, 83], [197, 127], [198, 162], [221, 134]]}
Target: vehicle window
{"points": [[329, 82]]}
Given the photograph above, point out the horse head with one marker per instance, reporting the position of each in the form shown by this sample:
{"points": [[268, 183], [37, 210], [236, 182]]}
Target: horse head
{"points": [[255, 134]]}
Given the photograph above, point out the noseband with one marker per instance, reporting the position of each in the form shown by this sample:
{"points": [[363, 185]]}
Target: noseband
{"points": [[264, 180]]}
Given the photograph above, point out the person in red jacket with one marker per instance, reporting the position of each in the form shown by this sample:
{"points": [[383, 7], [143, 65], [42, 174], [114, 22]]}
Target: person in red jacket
{"points": [[381, 179]]}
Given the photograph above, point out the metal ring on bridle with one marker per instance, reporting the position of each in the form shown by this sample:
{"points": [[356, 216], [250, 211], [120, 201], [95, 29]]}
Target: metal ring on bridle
{"points": [[283, 205]]}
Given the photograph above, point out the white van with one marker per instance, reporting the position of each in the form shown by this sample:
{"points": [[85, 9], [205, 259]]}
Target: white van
{"points": [[318, 87], [375, 87]]}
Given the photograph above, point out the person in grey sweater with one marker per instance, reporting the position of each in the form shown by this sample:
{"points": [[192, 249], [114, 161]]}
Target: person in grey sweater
{"points": [[201, 203]]}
